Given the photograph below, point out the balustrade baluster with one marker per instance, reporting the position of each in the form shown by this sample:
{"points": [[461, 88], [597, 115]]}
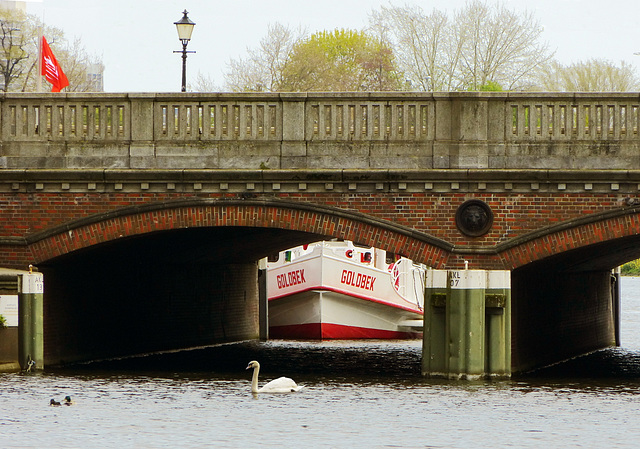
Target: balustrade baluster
{"points": [[212, 122], [13, 120], [623, 121]]}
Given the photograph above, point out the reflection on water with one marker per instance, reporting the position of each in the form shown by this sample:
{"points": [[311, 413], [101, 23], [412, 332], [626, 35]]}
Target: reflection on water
{"points": [[357, 394], [368, 358]]}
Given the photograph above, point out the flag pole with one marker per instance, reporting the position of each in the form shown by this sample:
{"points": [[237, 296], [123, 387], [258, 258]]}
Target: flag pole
{"points": [[39, 74], [40, 37]]}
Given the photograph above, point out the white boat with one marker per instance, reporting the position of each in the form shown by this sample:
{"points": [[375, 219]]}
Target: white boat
{"points": [[338, 290]]}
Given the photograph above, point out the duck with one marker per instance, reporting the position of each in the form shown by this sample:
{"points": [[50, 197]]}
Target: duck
{"points": [[68, 401], [279, 385], [54, 403]]}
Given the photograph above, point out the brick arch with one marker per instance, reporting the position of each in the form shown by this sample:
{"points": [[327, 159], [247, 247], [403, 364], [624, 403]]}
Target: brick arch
{"points": [[266, 213], [576, 234]]}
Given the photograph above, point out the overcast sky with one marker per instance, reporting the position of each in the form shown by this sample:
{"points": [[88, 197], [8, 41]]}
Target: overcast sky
{"points": [[136, 38]]}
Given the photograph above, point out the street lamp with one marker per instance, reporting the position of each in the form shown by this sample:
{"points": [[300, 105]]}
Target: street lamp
{"points": [[185, 28]]}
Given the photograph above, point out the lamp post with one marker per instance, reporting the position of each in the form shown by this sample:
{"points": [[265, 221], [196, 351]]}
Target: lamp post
{"points": [[185, 28]]}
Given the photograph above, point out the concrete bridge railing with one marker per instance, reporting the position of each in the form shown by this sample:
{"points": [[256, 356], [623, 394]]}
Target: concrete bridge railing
{"points": [[321, 131]]}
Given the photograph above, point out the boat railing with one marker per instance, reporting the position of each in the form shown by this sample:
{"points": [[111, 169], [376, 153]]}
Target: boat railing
{"points": [[407, 280], [350, 252]]}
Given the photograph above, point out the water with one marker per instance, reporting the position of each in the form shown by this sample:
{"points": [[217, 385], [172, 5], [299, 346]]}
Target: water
{"points": [[357, 394]]}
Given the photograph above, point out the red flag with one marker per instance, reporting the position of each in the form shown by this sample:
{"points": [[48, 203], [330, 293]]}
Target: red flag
{"points": [[51, 69]]}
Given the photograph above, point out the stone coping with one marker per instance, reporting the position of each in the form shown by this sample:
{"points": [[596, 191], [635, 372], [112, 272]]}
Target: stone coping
{"points": [[311, 175], [241, 182], [303, 96]]}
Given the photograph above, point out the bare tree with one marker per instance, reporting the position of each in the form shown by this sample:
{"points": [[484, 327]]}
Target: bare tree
{"points": [[482, 44], [263, 67], [421, 44], [594, 75], [14, 50], [204, 83], [80, 68], [483, 47], [498, 45], [19, 42], [33, 29]]}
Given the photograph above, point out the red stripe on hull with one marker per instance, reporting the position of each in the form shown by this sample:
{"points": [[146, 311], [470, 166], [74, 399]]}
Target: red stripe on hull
{"points": [[411, 308], [327, 331]]}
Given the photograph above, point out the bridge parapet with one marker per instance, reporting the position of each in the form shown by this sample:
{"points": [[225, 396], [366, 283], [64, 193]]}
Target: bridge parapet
{"points": [[321, 131]]}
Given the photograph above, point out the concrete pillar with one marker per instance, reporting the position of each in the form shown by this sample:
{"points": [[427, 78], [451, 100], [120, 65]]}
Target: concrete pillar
{"points": [[615, 298], [263, 305], [497, 297], [30, 321], [434, 360], [467, 328]]}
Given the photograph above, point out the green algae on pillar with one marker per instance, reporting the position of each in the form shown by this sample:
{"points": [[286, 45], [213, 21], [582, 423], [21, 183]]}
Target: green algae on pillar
{"points": [[31, 321], [467, 329]]}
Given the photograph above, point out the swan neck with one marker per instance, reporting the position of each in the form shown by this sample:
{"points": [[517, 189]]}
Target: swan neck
{"points": [[254, 379]]}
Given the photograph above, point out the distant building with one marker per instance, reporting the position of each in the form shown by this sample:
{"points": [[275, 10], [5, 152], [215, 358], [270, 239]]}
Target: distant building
{"points": [[95, 78], [14, 5]]}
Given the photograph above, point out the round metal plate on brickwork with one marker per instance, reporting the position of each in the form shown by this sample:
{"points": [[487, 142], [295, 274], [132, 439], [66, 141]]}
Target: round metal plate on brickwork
{"points": [[474, 218]]}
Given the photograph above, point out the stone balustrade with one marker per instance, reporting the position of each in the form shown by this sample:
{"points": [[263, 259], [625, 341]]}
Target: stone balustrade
{"points": [[320, 131]]}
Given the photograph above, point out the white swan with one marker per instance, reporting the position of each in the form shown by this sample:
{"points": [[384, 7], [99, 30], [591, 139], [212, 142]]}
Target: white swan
{"points": [[280, 385]]}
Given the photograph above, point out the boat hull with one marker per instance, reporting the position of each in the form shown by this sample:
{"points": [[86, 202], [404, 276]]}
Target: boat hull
{"points": [[326, 314]]}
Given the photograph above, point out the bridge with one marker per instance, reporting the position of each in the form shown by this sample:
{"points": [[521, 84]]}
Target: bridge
{"points": [[146, 213]]}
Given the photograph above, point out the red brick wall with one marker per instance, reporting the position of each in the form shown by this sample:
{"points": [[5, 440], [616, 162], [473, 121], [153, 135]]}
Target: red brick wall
{"points": [[35, 215]]}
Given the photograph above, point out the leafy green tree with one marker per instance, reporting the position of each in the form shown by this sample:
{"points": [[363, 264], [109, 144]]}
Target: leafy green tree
{"points": [[490, 86], [340, 60], [631, 268]]}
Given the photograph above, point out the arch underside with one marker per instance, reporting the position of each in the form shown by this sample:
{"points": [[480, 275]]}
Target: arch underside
{"points": [[245, 229], [596, 242], [239, 230], [252, 229]]}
